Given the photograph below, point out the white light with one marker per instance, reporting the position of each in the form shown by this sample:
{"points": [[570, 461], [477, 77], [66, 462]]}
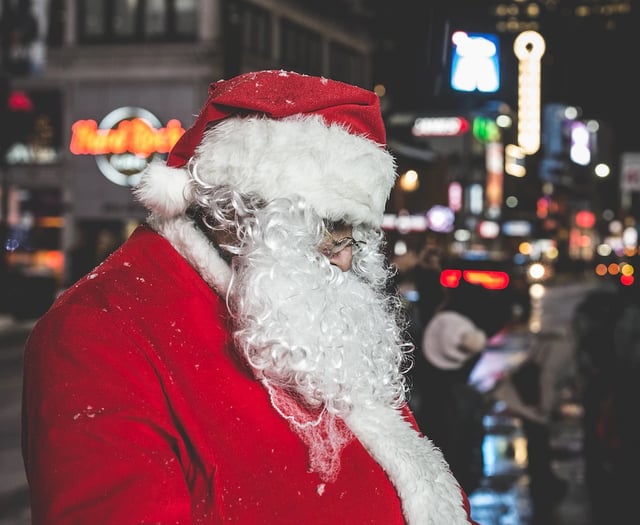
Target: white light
{"points": [[440, 218], [571, 113], [489, 229], [603, 250], [615, 227], [630, 237], [475, 199], [602, 170], [580, 152], [462, 235], [504, 121], [536, 271], [400, 248], [536, 291]]}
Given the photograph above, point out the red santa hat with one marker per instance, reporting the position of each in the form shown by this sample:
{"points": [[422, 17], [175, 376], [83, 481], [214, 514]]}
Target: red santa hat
{"points": [[282, 134]]}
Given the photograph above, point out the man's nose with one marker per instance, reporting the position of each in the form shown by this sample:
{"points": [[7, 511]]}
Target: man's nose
{"points": [[343, 258]]}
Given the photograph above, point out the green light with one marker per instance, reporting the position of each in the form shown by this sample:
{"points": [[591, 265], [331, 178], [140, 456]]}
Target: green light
{"points": [[485, 130]]}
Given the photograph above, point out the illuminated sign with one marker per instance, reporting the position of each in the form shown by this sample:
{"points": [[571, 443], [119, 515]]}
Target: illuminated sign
{"points": [[454, 194], [485, 130], [475, 65], [580, 151], [439, 126], [529, 47], [124, 142], [516, 228], [494, 186]]}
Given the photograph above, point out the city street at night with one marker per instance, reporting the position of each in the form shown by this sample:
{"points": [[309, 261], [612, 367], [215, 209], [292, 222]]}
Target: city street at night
{"points": [[183, 172]]}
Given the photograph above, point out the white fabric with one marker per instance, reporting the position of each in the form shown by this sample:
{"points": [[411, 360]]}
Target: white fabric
{"points": [[450, 339], [430, 494], [342, 176]]}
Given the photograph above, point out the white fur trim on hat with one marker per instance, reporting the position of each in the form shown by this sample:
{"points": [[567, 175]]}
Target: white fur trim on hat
{"points": [[342, 176], [429, 492]]}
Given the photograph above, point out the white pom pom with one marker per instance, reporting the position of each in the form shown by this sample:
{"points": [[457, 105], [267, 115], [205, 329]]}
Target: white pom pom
{"points": [[162, 189]]}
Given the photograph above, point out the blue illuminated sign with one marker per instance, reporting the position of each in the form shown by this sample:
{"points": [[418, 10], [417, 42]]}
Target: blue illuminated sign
{"points": [[475, 64]]}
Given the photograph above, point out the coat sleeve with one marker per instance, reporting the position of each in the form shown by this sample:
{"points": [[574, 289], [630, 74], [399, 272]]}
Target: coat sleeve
{"points": [[98, 441]]}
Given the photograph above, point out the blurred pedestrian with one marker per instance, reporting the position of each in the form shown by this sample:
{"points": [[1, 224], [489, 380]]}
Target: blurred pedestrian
{"points": [[594, 328], [421, 273], [620, 428], [533, 391], [238, 358], [451, 410]]}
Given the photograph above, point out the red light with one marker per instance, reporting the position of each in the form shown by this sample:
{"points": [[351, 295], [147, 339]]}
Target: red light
{"points": [[490, 279], [626, 280], [450, 278], [19, 101], [585, 219]]}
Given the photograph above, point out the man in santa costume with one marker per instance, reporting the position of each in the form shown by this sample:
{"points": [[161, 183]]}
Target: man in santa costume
{"points": [[238, 359]]}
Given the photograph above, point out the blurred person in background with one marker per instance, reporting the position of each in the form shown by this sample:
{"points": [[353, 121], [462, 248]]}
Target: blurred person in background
{"points": [[620, 421], [533, 391], [594, 326], [420, 272], [239, 357], [451, 410]]}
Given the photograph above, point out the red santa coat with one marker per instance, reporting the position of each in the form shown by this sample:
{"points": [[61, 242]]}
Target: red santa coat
{"points": [[137, 410]]}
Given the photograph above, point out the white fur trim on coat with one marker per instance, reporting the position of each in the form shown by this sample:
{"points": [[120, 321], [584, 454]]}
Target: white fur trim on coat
{"points": [[429, 492], [342, 176], [196, 248]]}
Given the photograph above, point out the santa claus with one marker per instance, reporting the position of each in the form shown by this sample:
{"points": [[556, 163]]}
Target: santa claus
{"points": [[239, 358]]}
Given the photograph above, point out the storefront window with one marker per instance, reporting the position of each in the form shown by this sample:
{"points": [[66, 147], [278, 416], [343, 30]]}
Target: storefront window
{"points": [[156, 16], [124, 18], [185, 17], [103, 21], [94, 26]]}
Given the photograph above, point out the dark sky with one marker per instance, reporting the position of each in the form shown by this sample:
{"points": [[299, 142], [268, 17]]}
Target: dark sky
{"points": [[585, 64]]}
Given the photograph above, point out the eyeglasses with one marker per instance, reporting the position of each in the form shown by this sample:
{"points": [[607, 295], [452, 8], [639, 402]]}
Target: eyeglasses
{"points": [[331, 247]]}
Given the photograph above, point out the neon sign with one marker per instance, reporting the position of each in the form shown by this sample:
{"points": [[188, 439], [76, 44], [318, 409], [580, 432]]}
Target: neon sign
{"points": [[529, 47], [475, 65], [439, 126], [124, 142]]}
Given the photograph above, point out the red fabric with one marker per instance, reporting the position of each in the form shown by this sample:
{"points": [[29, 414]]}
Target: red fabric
{"points": [[135, 411], [279, 94]]}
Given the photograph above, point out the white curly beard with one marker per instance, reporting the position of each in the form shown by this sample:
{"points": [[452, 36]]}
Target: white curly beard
{"points": [[326, 345], [321, 340]]}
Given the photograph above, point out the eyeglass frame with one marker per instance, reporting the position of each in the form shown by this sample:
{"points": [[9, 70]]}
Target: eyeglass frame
{"points": [[331, 247]]}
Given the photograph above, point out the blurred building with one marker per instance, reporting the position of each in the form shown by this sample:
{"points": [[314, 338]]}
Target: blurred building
{"points": [[104, 87]]}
